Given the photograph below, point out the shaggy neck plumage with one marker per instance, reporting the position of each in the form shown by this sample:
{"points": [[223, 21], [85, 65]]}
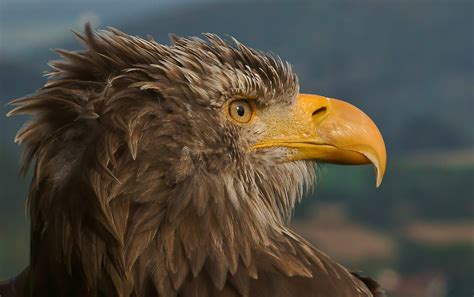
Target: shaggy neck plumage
{"points": [[121, 234]]}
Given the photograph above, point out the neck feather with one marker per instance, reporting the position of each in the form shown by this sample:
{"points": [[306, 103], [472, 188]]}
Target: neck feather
{"points": [[136, 229]]}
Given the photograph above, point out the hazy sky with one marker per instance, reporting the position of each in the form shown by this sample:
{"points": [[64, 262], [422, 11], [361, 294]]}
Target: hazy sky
{"points": [[26, 24]]}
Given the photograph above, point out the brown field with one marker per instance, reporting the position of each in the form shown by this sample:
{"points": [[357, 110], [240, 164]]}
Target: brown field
{"points": [[440, 233], [330, 230]]}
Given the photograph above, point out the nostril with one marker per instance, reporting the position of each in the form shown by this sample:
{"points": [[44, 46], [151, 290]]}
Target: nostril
{"points": [[319, 114]]}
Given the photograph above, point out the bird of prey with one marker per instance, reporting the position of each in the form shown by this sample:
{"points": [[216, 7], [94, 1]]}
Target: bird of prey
{"points": [[173, 170]]}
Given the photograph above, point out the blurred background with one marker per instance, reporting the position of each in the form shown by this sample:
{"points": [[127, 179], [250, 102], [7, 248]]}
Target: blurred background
{"points": [[408, 64]]}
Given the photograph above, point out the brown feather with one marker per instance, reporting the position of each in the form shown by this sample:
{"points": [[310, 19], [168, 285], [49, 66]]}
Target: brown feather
{"points": [[142, 188]]}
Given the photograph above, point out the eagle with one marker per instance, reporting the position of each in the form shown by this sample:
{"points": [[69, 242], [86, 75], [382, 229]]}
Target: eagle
{"points": [[173, 170]]}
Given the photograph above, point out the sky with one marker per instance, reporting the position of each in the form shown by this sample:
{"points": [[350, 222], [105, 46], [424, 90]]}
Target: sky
{"points": [[26, 24]]}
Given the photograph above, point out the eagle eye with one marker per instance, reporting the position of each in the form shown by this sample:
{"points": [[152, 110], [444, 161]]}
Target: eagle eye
{"points": [[241, 110]]}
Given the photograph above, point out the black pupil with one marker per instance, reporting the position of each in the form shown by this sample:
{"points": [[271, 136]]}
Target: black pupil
{"points": [[240, 110]]}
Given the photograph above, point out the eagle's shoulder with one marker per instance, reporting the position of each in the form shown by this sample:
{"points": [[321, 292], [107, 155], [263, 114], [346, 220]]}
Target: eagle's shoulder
{"points": [[374, 286], [302, 270]]}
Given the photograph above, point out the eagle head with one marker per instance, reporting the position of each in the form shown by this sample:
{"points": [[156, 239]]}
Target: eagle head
{"points": [[154, 162]]}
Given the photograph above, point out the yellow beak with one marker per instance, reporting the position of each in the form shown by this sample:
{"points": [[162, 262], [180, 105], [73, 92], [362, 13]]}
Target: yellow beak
{"points": [[327, 130]]}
